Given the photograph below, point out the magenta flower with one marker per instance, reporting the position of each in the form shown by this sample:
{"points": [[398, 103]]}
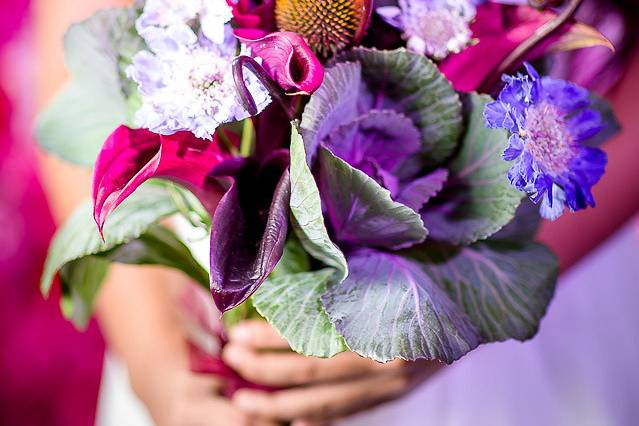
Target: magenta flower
{"points": [[257, 15], [130, 157], [287, 59], [246, 197], [500, 29]]}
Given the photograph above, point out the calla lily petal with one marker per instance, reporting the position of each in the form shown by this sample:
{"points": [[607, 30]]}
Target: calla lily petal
{"points": [[249, 226], [249, 14], [130, 157], [288, 60], [500, 29]]}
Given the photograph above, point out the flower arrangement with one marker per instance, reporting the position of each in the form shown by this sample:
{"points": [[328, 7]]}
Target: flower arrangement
{"points": [[361, 188]]}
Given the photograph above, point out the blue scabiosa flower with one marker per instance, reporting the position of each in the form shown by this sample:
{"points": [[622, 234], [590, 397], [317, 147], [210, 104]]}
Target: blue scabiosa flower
{"points": [[548, 119]]}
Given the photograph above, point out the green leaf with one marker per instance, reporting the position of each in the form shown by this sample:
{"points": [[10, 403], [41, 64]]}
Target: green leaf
{"points": [[306, 210], [504, 287], [81, 281], [160, 246], [388, 308], [612, 125], [412, 84], [524, 225], [79, 236], [291, 304], [437, 301], [95, 101], [294, 259], [362, 211], [477, 200], [132, 237]]}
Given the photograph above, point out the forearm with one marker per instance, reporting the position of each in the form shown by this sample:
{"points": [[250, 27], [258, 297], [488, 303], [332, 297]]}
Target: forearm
{"points": [[137, 311]]}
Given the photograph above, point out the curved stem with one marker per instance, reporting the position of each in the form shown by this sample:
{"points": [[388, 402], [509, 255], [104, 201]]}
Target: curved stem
{"points": [[245, 95], [517, 55]]}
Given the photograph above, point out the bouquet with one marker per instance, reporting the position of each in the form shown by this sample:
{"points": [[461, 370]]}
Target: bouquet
{"points": [[362, 188]]}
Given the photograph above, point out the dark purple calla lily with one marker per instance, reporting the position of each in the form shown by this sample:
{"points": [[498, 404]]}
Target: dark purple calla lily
{"points": [[249, 226], [130, 157], [500, 29], [247, 198], [287, 59]]}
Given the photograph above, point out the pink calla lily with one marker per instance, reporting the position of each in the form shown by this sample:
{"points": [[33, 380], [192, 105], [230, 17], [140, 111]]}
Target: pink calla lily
{"points": [[130, 157], [500, 29], [250, 14], [287, 59], [247, 198]]}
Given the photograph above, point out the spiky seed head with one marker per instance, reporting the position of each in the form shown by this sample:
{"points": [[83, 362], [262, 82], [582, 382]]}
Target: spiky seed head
{"points": [[327, 25]]}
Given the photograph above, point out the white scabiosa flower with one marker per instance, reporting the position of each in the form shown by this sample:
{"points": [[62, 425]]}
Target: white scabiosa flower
{"points": [[185, 79], [432, 27]]}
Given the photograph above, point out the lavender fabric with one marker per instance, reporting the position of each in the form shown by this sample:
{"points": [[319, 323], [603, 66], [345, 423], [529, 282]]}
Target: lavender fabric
{"points": [[579, 370]]}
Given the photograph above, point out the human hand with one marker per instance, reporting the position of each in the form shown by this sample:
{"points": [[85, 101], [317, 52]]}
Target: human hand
{"points": [[178, 397], [153, 327], [317, 390]]}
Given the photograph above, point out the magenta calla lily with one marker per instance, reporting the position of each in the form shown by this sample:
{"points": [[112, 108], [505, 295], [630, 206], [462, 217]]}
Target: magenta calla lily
{"points": [[247, 198], [130, 157], [500, 29], [287, 59], [249, 14]]}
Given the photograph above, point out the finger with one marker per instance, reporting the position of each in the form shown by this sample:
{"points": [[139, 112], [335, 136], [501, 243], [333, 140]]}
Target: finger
{"points": [[257, 334], [291, 369], [323, 402]]}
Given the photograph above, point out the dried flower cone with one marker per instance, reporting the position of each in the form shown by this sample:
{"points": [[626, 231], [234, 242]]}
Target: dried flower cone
{"points": [[327, 25]]}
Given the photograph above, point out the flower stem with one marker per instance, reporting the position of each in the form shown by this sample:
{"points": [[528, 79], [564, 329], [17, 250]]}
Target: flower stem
{"points": [[248, 133], [516, 56]]}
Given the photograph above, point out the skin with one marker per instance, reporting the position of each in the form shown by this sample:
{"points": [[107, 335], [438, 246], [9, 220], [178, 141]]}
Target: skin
{"points": [[317, 390], [137, 305]]}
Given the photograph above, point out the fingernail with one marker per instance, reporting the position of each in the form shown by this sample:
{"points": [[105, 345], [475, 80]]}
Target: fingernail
{"points": [[241, 334], [245, 401]]}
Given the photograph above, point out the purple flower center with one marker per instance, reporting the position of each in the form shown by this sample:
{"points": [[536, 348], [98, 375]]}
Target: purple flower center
{"points": [[548, 139]]}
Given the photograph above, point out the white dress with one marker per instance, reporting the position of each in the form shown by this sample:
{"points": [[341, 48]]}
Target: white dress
{"points": [[581, 369]]}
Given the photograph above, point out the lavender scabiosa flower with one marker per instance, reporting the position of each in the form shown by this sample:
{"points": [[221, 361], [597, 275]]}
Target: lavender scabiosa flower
{"points": [[160, 15], [432, 27], [548, 119], [185, 79]]}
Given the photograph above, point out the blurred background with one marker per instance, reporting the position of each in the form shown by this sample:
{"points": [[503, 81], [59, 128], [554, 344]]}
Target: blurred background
{"points": [[582, 368]]}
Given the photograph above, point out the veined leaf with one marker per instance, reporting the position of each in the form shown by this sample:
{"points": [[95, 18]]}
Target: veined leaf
{"points": [[131, 236], [412, 84], [361, 211], [292, 305], [388, 308], [306, 210], [477, 200]]}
